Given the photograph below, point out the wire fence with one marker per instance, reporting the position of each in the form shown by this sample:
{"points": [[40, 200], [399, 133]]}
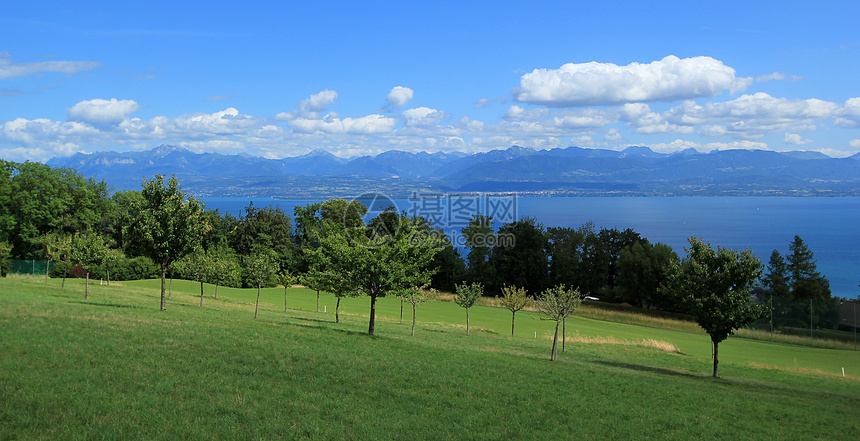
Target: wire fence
{"points": [[30, 267], [827, 323]]}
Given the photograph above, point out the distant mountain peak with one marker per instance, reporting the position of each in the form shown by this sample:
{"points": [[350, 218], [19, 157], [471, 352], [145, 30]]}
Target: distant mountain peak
{"points": [[318, 153], [166, 149]]}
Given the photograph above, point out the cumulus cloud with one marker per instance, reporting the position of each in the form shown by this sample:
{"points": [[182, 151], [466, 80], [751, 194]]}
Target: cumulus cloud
{"points": [[796, 139], [10, 69], [399, 96], [99, 111], [423, 116], [854, 143], [319, 101], [599, 84], [365, 125]]}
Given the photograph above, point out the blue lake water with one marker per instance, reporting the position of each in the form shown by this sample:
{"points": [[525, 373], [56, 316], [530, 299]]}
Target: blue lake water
{"points": [[829, 226]]}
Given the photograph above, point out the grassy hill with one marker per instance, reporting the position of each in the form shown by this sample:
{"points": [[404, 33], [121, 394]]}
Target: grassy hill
{"points": [[116, 367]]}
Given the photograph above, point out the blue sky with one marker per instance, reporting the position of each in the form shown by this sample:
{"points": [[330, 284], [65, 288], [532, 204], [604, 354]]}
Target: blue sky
{"points": [[278, 79]]}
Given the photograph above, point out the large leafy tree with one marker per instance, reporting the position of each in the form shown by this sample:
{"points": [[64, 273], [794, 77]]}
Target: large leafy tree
{"points": [[169, 224], [714, 286], [39, 199], [524, 261], [643, 269], [480, 239], [374, 264], [5, 251]]}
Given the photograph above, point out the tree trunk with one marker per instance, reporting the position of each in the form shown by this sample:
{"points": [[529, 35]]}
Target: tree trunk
{"points": [[401, 311], [513, 318], [163, 277], [337, 311], [716, 360], [169, 287], [372, 326], [46, 271], [467, 321], [65, 273], [285, 298], [554, 343], [413, 320], [201, 293], [318, 300], [87, 289], [563, 333], [216, 289], [257, 306], [107, 270]]}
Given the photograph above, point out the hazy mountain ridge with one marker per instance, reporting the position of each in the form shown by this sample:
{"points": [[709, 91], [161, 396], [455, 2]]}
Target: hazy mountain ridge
{"points": [[575, 170]]}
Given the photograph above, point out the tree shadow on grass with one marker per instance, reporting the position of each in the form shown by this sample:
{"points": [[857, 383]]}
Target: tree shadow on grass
{"points": [[110, 305], [652, 369], [316, 324]]}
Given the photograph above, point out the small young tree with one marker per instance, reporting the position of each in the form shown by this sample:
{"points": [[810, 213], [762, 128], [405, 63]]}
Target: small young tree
{"points": [[466, 297], [262, 264], [88, 250], [558, 303], [415, 297], [111, 256], [287, 279], [54, 245], [714, 286], [514, 299]]}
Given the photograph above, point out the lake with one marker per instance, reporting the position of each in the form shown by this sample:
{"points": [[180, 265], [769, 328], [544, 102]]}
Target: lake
{"points": [[829, 226]]}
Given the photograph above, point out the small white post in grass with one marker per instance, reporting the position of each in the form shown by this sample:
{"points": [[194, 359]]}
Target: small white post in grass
{"points": [[535, 335], [325, 309], [843, 372]]}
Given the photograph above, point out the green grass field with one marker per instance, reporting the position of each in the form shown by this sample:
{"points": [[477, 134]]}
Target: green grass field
{"points": [[115, 367]]}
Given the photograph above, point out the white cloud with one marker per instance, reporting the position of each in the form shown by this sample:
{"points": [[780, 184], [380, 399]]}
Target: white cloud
{"points": [[849, 115], [319, 101], [599, 84], [365, 125], [9, 69], [99, 111], [796, 139], [423, 116], [399, 96], [854, 143], [613, 135]]}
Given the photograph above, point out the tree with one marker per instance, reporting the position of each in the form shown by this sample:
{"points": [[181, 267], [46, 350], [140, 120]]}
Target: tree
{"points": [[558, 303], [287, 279], [56, 246], [195, 266], [643, 270], [514, 299], [466, 297], [480, 239], [88, 250], [223, 267], [169, 224], [714, 286], [261, 264], [522, 262], [5, 251], [803, 276], [414, 296], [376, 265]]}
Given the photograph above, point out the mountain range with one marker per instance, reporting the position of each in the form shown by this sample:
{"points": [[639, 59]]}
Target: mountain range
{"points": [[568, 171]]}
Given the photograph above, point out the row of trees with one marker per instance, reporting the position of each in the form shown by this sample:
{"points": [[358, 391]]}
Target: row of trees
{"points": [[332, 248]]}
